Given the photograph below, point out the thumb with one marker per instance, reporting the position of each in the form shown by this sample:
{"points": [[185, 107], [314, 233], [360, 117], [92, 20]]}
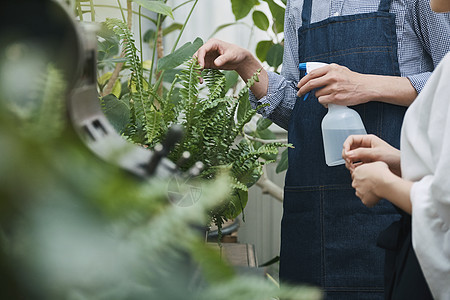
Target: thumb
{"points": [[224, 59], [220, 61]]}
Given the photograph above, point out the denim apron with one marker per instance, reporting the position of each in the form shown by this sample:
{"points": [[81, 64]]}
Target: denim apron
{"points": [[328, 236]]}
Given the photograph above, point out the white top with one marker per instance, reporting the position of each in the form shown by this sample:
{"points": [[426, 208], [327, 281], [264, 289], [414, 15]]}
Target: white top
{"points": [[425, 159]]}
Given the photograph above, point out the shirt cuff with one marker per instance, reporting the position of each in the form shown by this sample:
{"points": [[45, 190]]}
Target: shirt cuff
{"points": [[279, 109], [418, 81]]}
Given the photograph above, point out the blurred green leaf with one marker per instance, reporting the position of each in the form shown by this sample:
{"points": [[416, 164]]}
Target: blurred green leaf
{"points": [[260, 19], [211, 262]]}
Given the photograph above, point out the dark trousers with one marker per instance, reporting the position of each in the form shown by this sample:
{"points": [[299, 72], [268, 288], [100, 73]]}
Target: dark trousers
{"points": [[403, 276]]}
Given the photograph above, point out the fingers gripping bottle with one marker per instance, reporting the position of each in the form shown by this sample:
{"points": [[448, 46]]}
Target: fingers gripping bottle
{"points": [[339, 123]]}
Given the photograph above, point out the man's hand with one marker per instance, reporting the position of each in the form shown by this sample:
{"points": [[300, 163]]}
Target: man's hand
{"points": [[335, 84], [217, 54], [339, 85]]}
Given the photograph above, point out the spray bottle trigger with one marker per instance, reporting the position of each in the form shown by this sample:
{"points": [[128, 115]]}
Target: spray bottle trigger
{"points": [[302, 67]]}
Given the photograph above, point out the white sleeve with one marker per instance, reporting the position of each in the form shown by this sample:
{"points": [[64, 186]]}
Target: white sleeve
{"points": [[430, 196]]}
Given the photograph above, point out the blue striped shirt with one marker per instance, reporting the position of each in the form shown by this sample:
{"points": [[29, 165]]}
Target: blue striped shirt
{"points": [[423, 39]]}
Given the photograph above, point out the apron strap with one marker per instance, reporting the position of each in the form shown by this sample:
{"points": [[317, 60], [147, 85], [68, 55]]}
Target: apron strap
{"points": [[385, 5], [306, 12]]}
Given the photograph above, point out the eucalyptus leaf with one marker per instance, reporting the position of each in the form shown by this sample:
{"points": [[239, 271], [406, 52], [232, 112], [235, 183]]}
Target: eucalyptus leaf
{"points": [[155, 6], [243, 108], [149, 36], [283, 163], [117, 112], [262, 48], [241, 8], [239, 201], [260, 19], [180, 55], [263, 123], [219, 28], [169, 75], [232, 78], [171, 28], [275, 56], [277, 14]]}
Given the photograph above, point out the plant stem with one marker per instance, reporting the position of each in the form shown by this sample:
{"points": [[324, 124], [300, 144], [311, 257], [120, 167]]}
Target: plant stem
{"points": [[262, 141], [140, 34], [92, 11], [158, 24], [182, 4], [80, 11], [118, 68], [130, 14], [158, 83], [122, 9], [184, 26]]}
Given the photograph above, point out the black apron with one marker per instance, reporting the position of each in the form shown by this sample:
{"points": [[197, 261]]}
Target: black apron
{"points": [[328, 236]]}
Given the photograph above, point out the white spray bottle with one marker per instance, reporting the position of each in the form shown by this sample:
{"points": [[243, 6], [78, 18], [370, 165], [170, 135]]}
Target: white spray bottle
{"points": [[339, 123]]}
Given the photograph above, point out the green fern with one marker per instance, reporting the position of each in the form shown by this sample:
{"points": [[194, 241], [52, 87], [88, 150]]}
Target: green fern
{"points": [[144, 112], [208, 117]]}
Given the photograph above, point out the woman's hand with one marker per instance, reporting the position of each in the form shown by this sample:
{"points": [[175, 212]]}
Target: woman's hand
{"points": [[368, 182], [360, 149]]}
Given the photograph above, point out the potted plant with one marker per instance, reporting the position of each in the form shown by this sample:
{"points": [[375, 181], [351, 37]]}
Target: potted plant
{"points": [[142, 107]]}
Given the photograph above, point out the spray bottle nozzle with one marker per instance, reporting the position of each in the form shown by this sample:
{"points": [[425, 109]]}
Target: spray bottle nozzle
{"points": [[303, 67], [308, 67]]}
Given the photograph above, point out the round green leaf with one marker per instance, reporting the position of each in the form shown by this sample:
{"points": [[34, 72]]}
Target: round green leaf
{"points": [[260, 19], [275, 56], [283, 163], [241, 8], [263, 123], [262, 48]]}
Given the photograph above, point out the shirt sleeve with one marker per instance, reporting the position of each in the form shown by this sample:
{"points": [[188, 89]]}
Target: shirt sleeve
{"points": [[282, 89], [431, 34]]}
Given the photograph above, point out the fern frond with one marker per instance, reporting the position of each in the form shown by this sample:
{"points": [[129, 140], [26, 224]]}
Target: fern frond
{"points": [[190, 80], [139, 94], [215, 81]]}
